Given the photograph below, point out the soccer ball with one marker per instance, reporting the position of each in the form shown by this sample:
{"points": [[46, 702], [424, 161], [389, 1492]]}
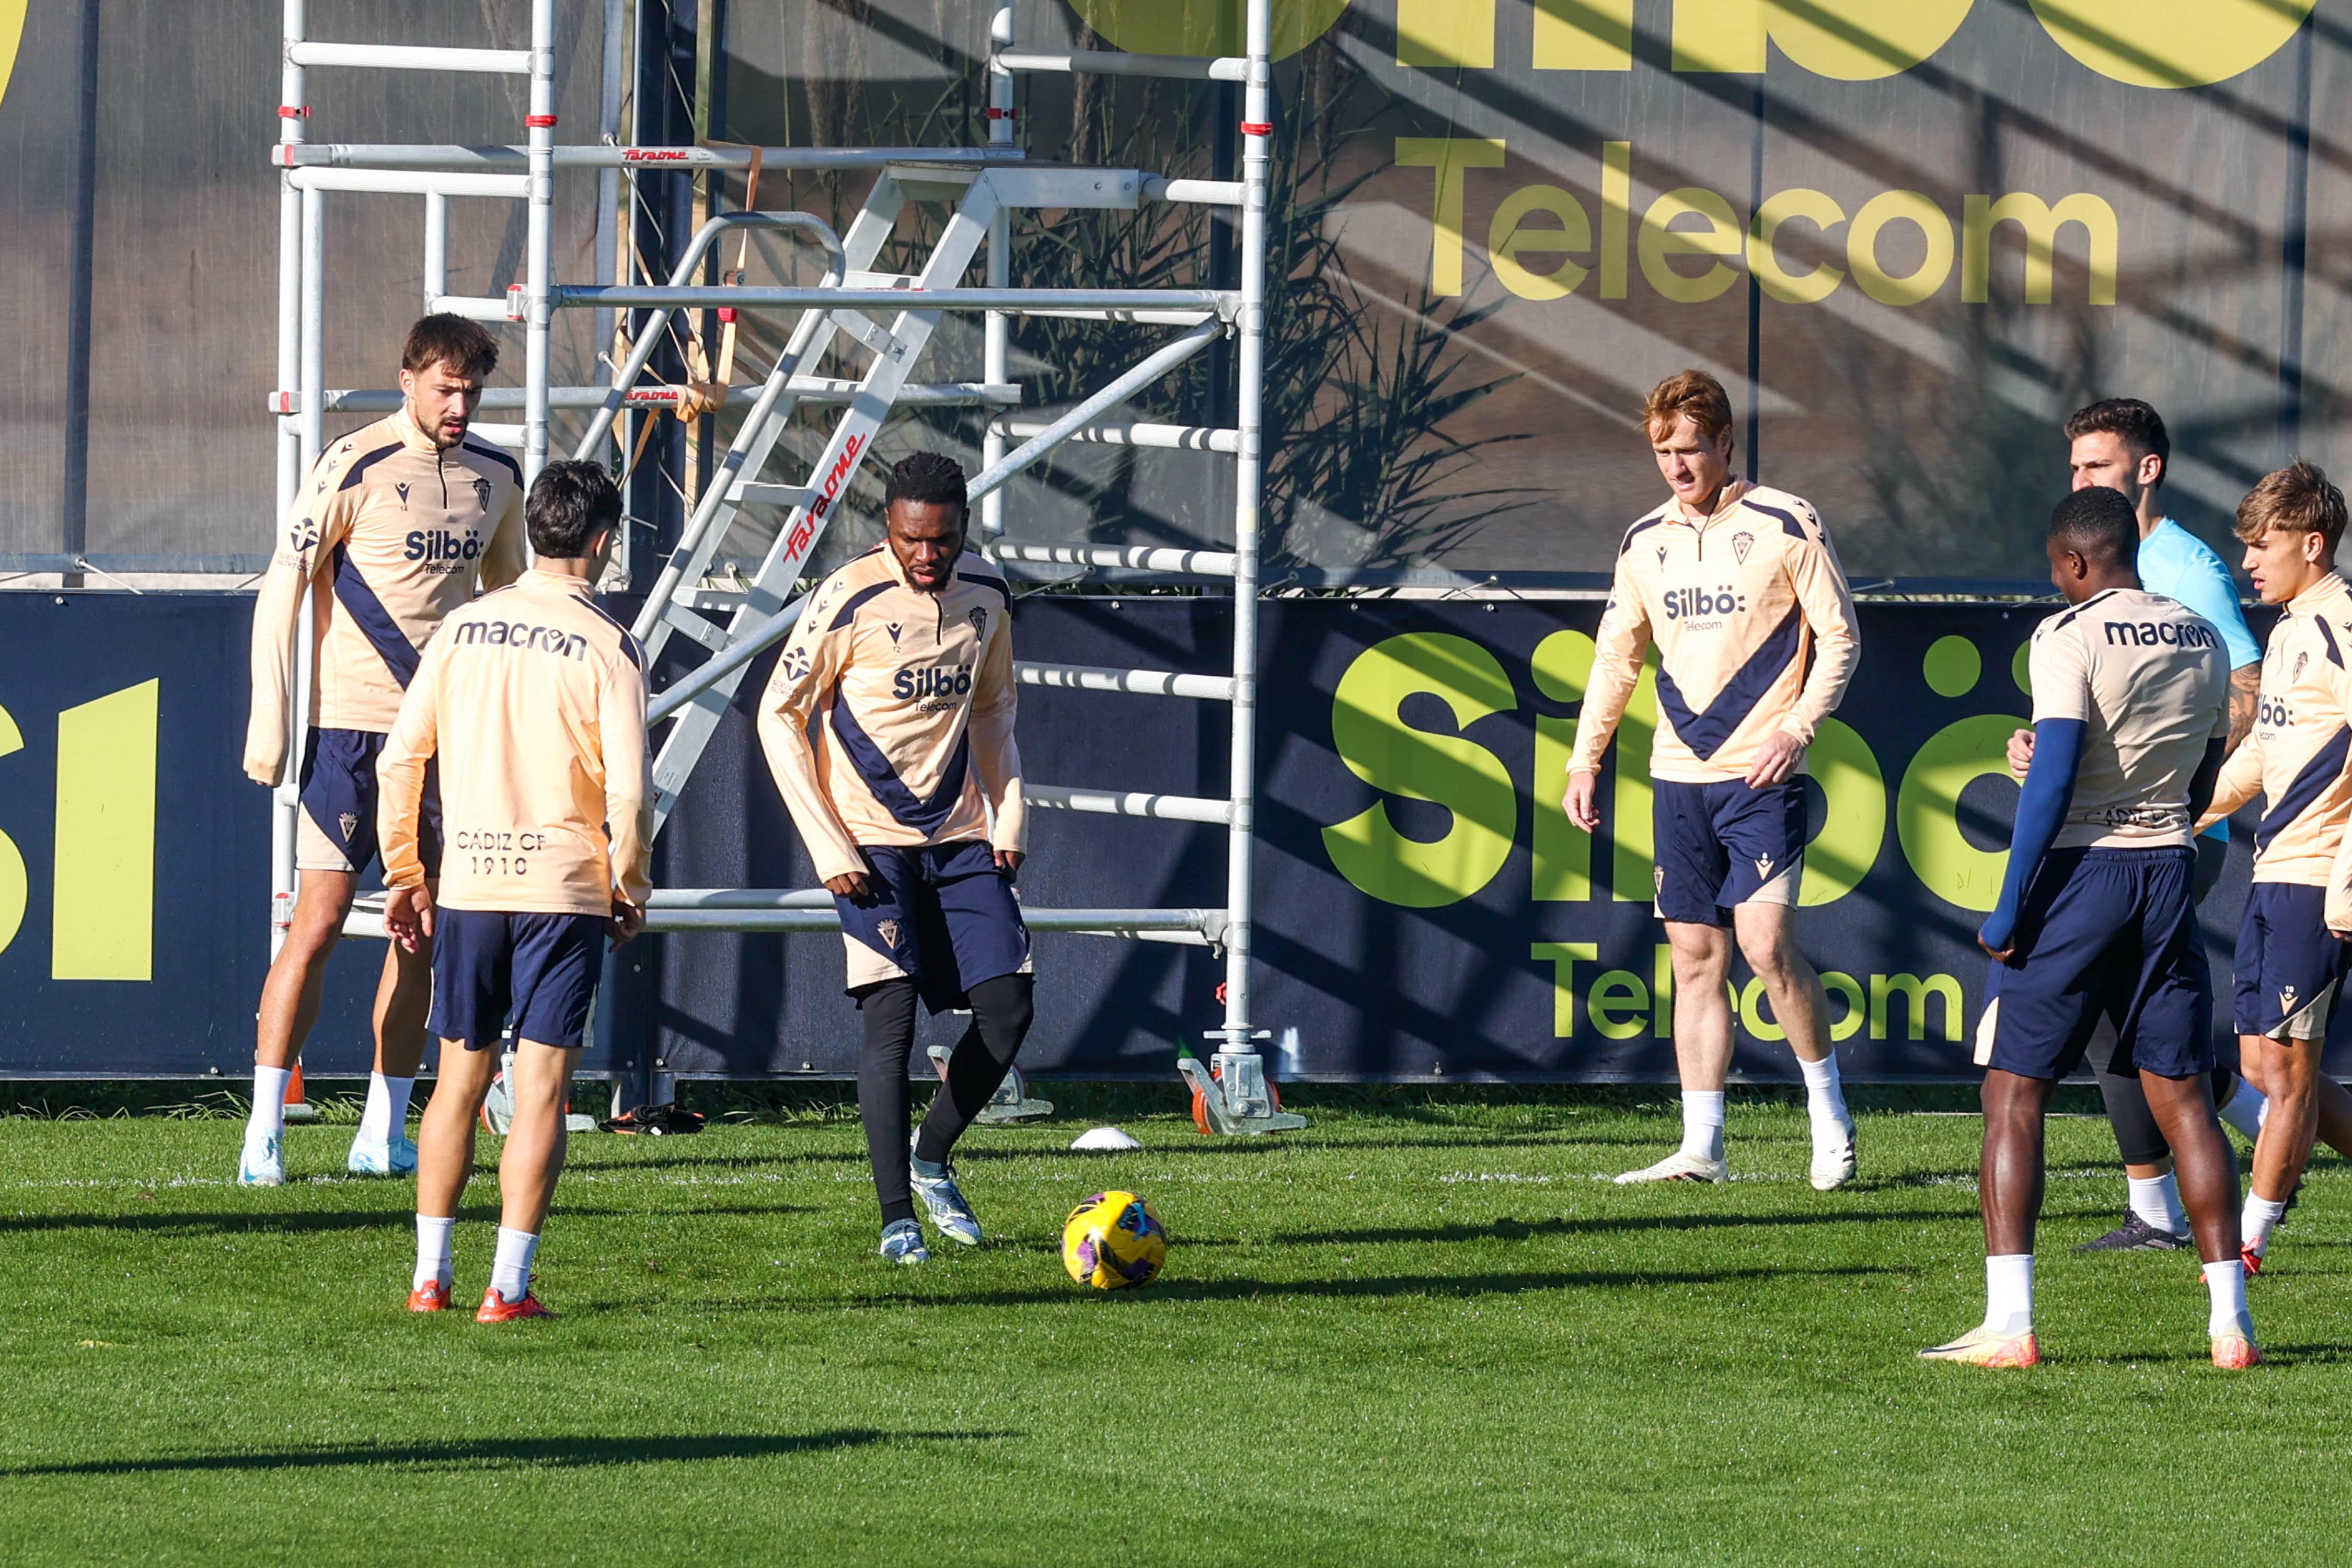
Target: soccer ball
{"points": [[1113, 1239]]}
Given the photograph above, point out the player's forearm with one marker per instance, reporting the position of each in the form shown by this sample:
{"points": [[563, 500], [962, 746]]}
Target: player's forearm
{"points": [[276, 609], [1605, 696], [2240, 781], [400, 779], [2040, 810], [1837, 653], [792, 762], [2245, 697], [997, 759]]}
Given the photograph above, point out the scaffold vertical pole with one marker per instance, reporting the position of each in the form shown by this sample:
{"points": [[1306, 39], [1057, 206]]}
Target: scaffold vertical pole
{"points": [[293, 121], [1239, 1100], [538, 306], [995, 325]]}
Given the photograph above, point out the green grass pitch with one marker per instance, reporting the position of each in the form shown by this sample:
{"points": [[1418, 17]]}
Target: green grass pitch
{"points": [[1413, 1334]]}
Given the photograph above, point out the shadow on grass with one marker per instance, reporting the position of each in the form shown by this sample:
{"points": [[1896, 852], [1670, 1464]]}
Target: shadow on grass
{"points": [[1441, 1286], [1509, 1229], [495, 1453], [295, 1222]]}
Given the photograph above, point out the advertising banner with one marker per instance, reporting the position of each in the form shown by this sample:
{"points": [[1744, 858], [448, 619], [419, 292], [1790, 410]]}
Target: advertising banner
{"points": [[1426, 912]]}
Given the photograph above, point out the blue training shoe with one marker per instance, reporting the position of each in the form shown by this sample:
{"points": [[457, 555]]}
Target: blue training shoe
{"points": [[261, 1164], [902, 1242], [936, 1186], [393, 1157]]}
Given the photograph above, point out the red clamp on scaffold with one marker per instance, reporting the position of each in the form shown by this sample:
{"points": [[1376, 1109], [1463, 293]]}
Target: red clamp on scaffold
{"points": [[995, 113], [281, 403], [1256, 127], [293, 112], [538, 122], [514, 302]]}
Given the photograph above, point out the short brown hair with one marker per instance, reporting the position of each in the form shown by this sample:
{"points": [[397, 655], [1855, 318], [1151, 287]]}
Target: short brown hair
{"points": [[2140, 427], [464, 346], [1691, 392], [2297, 497]]}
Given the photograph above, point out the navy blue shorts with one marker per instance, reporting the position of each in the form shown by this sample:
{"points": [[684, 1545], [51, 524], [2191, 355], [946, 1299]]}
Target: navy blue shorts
{"points": [[2289, 966], [2104, 931], [1722, 844], [942, 914], [539, 972], [336, 830]]}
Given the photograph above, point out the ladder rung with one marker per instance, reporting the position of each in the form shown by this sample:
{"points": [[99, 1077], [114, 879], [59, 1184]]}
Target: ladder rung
{"points": [[1146, 682], [928, 395], [1192, 563], [1114, 62], [855, 279], [709, 634], [753, 494], [866, 329], [410, 56]]}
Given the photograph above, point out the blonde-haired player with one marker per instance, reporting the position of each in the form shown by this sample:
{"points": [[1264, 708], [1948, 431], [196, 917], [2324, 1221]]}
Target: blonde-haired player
{"points": [[1741, 591]]}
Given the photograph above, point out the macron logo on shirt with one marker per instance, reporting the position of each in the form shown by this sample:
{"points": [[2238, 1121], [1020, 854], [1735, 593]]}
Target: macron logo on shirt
{"points": [[517, 634], [2148, 634]]}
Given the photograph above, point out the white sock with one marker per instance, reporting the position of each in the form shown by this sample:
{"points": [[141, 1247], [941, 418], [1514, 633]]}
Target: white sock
{"points": [[1826, 1100], [269, 1117], [1703, 1122], [386, 1116], [2245, 1110], [2009, 1293], [511, 1271], [2227, 1281], [2157, 1200], [433, 1252], [2261, 1217]]}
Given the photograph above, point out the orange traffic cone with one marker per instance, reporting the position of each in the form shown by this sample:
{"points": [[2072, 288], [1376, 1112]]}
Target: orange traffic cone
{"points": [[297, 1108]]}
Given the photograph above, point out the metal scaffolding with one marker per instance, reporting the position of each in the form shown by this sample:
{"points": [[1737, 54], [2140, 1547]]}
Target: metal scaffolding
{"points": [[844, 313]]}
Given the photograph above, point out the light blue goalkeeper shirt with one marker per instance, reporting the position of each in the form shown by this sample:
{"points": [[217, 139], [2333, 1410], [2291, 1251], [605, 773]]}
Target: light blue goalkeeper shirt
{"points": [[2178, 564]]}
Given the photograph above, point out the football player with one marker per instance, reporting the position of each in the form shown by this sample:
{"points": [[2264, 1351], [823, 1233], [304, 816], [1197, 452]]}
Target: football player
{"points": [[1741, 591]]}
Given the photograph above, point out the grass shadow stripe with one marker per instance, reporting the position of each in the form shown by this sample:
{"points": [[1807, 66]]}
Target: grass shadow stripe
{"points": [[542, 1452]]}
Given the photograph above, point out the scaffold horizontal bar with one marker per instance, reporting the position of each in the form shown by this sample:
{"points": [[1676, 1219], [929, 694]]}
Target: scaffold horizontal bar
{"points": [[1173, 438], [807, 388], [1019, 301], [479, 307], [401, 155], [1162, 924], [497, 434], [746, 648], [1147, 558], [413, 182], [1206, 193], [248, 565], [740, 898], [1106, 677], [1145, 318], [1112, 62], [1129, 803], [411, 58]]}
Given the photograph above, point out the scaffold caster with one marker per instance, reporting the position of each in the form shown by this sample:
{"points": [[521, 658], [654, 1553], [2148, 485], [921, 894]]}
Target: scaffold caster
{"points": [[1009, 1104], [1232, 1096]]}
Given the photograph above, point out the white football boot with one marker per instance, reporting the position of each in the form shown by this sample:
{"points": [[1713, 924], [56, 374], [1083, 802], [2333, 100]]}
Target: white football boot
{"points": [[390, 1157], [261, 1164], [1833, 1159], [1679, 1166]]}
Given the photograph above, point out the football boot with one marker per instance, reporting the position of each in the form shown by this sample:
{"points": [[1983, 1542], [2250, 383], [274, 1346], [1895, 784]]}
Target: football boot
{"points": [[496, 1309], [902, 1242], [943, 1201], [262, 1164], [1982, 1347], [1679, 1166]]}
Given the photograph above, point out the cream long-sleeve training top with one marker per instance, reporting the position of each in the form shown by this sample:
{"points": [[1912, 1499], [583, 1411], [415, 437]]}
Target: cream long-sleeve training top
{"points": [[394, 533], [2298, 757], [917, 698], [535, 701], [1754, 627]]}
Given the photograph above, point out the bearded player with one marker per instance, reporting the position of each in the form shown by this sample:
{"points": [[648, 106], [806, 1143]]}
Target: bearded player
{"points": [[1741, 591], [393, 528], [2122, 444], [907, 790], [2097, 915], [2293, 953]]}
